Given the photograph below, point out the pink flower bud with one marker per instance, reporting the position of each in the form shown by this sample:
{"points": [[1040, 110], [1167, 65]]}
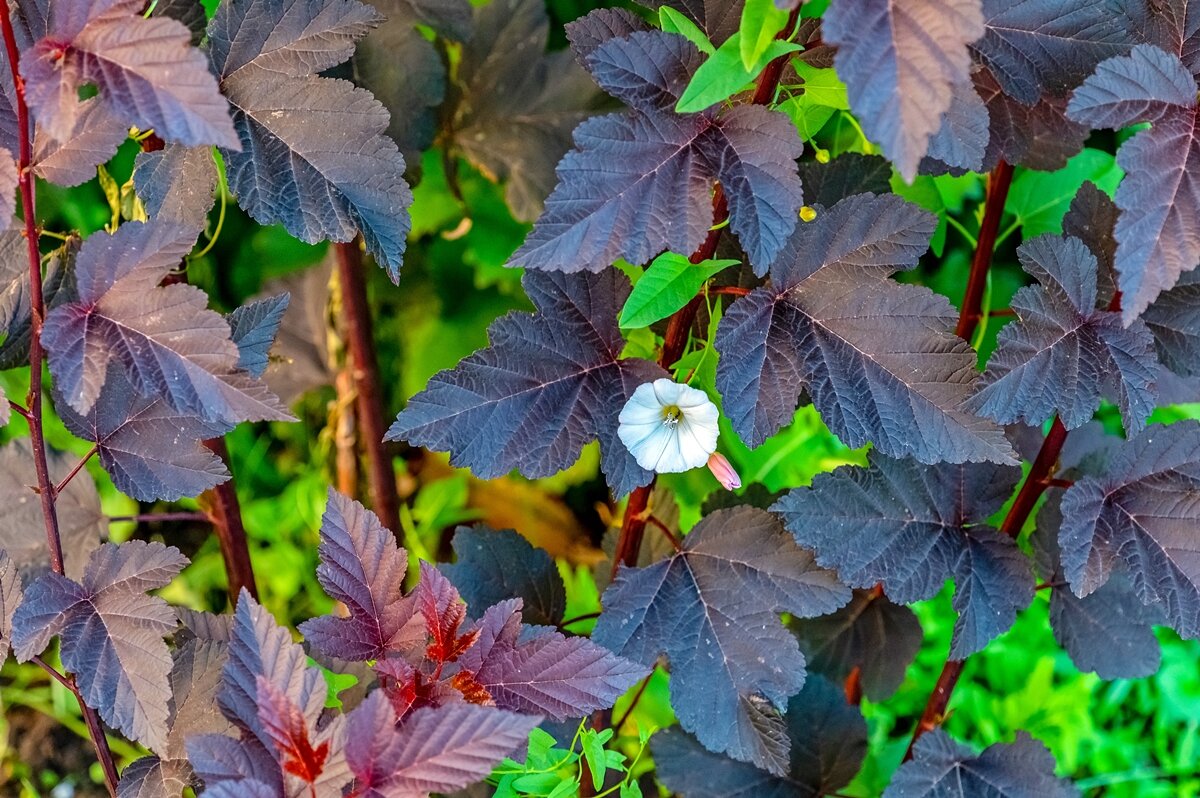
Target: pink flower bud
{"points": [[722, 469]]}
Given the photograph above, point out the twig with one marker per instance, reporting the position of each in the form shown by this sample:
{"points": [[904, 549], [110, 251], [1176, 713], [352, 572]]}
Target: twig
{"points": [[633, 702], [587, 616], [999, 182], [730, 290], [19, 409], [226, 517], [78, 467], [360, 338], [151, 518], [666, 531]]}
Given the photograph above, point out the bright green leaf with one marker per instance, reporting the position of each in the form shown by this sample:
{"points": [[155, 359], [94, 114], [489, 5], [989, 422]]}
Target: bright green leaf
{"points": [[593, 753], [1039, 200], [538, 783], [761, 22], [822, 86], [631, 790], [672, 21], [668, 284], [566, 788], [723, 74]]}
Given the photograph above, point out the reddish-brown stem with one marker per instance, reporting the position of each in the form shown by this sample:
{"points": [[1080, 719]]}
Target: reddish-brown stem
{"points": [[151, 518], [225, 512], [1035, 484], [666, 532], [345, 439], [853, 686], [361, 342], [587, 616], [633, 527], [972, 306], [19, 409], [78, 467], [729, 290], [37, 317], [51, 671], [633, 702], [1002, 313]]}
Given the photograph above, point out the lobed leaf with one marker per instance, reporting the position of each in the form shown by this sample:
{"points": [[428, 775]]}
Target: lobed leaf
{"points": [[549, 383], [910, 527], [111, 633], [176, 183], [493, 566], [943, 768], [712, 609], [880, 360]]}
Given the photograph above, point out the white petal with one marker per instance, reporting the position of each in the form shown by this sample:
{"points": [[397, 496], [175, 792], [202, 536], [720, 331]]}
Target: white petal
{"points": [[650, 448], [638, 412], [666, 391], [696, 444]]}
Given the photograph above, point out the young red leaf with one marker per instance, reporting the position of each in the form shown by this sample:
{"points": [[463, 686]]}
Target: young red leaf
{"points": [[313, 156], [545, 673], [880, 360], [288, 729], [362, 567], [146, 71], [828, 743], [444, 612], [713, 609], [111, 632], [942, 768], [910, 527], [900, 60], [435, 750], [493, 566], [1144, 512], [1063, 353], [550, 382]]}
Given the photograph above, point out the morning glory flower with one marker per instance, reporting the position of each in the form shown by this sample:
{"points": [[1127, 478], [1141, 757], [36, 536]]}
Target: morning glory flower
{"points": [[668, 427]]}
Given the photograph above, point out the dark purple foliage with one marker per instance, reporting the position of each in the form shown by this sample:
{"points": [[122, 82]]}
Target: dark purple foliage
{"points": [[177, 183], [712, 609], [493, 566], [942, 768]]}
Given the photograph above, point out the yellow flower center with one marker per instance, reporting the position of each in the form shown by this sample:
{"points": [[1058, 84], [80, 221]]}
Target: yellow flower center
{"points": [[672, 415]]}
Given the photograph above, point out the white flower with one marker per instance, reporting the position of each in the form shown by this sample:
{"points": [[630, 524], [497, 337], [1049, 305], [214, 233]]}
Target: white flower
{"points": [[668, 427]]}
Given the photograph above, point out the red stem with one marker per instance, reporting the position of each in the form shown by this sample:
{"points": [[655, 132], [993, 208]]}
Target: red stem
{"points": [[935, 709], [152, 518], [361, 342], [634, 701], [225, 512], [37, 317], [78, 467], [972, 306]]}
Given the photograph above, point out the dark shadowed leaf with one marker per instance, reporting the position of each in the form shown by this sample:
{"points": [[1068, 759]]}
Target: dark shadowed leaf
{"points": [[871, 633], [195, 680], [188, 12], [314, 154], [851, 173], [436, 750], [910, 527], [942, 768], [712, 608], [81, 522], [1157, 234], [600, 25], [111, 633], [961, 141], [717, 19], [1144, 512], [146, 71], [151, 451], [362, 567], [1174, 319], [300, 358], [640, 183], [515, 104], [549, 383], [168, 343], [547, 673], [1092, 218], [10, 597], [880, 360], [493, 566], [176, 183], [1108, 632], [151, 777], [828, 739], [1038, 136], [253, 327], [900, 60], [1062, 354], [58, 286]]}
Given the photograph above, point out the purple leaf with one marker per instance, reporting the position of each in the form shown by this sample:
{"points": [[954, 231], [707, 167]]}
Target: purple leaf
{"points": [[641, 182], [81, 522], [828, 742], [942, 768], [151, 777], [151, 451], [900, 60], [176, 184], [910, 527], [436, 750], [870, 633], [1038, 136], [146, 71], [827, 184], [93, 140], [224, 762], [1092, 218], [717, 18], [517, 103], [713, 608], [195, 679], [8, 184], [961, 141], [314, 156], [549, 674], [288, 728], [187, 12], [111, 632], [1062, 353], [1157, 234], [253, 327], [362, 567], [164, 337], [58, 286], [549, 383], [1174, 319], [880, 360], [646, 70], [599, 26], [10, 597], [493, 566], [1144, 512]]}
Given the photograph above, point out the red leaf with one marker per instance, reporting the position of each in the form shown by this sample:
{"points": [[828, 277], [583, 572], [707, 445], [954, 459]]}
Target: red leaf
{"points": [[288, 729]]}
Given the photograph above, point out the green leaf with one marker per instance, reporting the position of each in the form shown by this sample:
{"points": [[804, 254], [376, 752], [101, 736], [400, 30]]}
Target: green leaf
{"points": [[538, 783], [822, 86], [723, 74], [566, 788], [761, 22], [593, 752], [631, 790], [540, 744], [672, 21], [668, 284], [1039, 200]]}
